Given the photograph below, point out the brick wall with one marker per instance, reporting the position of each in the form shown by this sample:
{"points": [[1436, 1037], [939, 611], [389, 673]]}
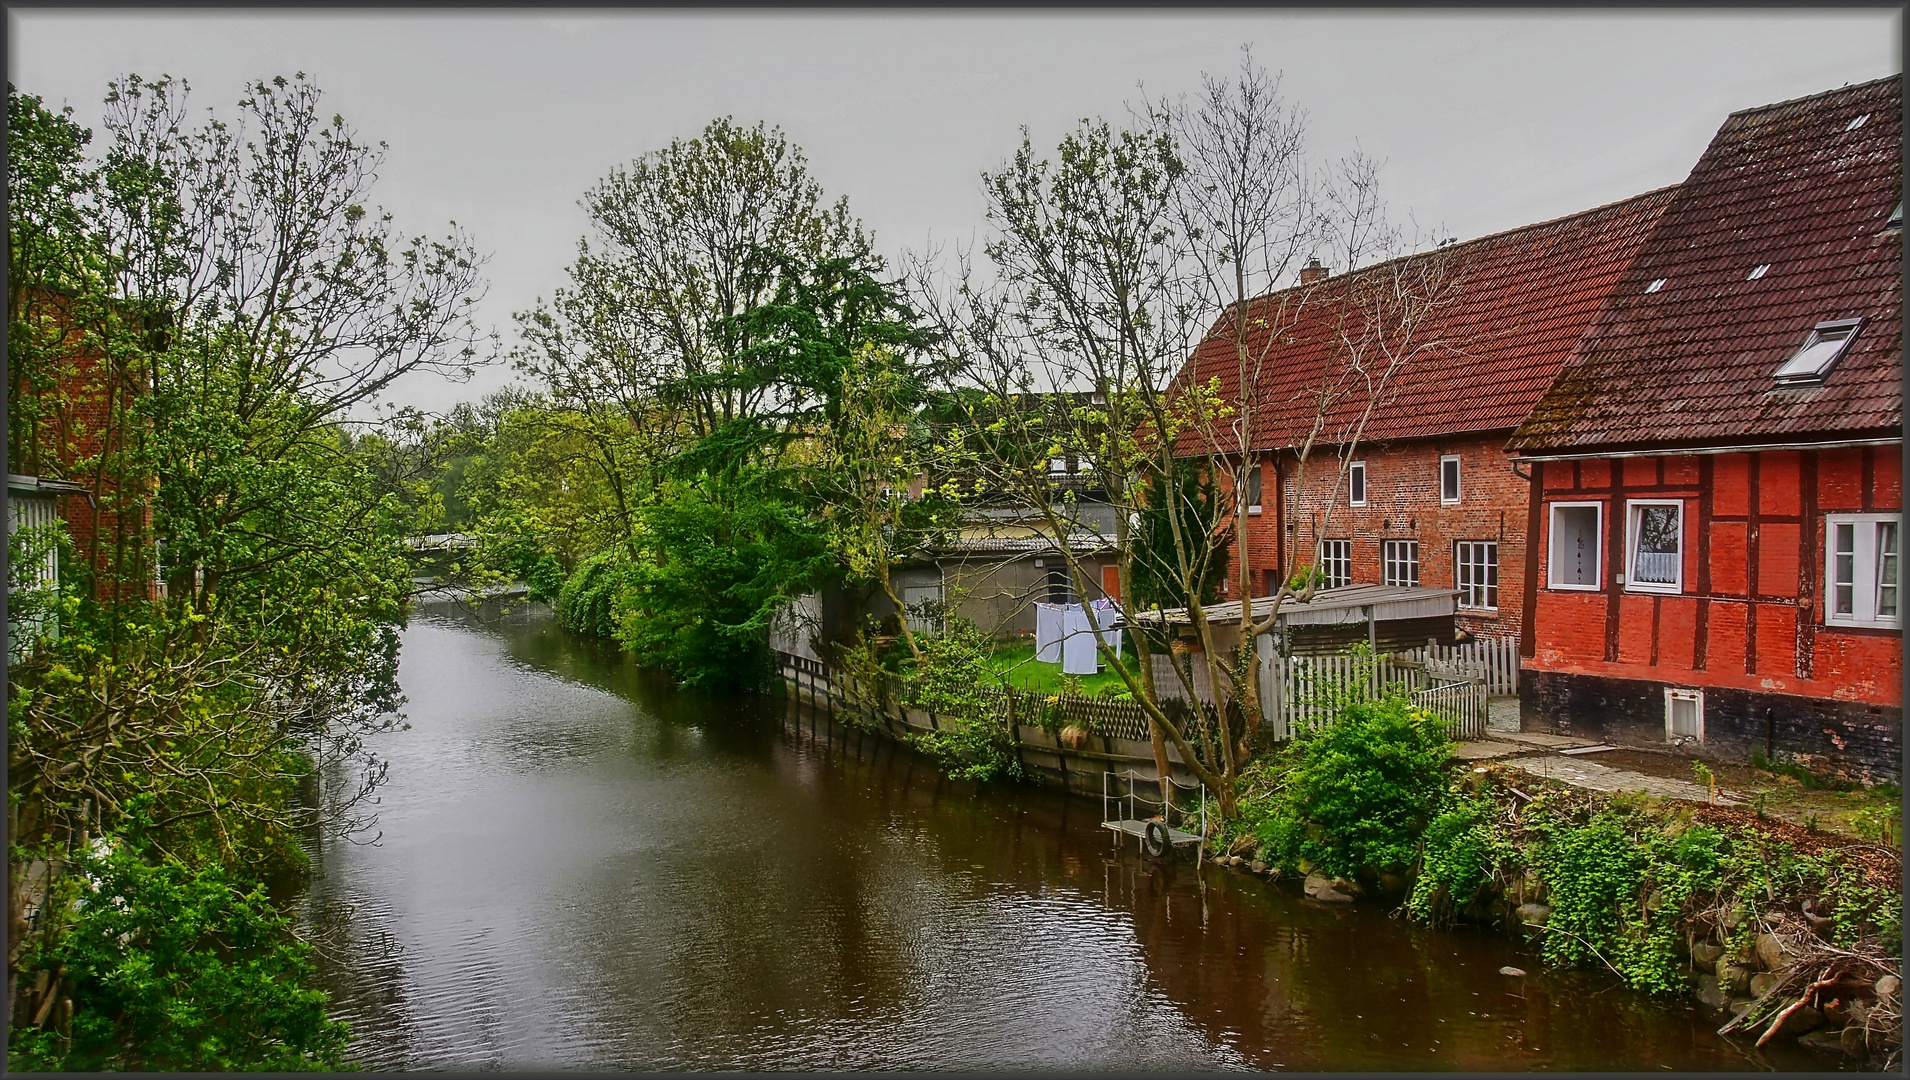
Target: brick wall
{"points": [[1750, 614], [1848, 739], [1403, 503], [1747, 625], [76, 441]]}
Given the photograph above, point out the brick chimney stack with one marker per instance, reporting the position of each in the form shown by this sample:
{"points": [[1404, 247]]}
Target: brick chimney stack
{"points": [[1312, 272]]}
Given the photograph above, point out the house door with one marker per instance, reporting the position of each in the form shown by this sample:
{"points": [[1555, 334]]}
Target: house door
{"points": [[1111, 582]]}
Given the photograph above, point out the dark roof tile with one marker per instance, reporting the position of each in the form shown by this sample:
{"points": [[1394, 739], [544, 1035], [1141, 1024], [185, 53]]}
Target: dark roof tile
{"points": [[1516, 303], [1692, 364]]}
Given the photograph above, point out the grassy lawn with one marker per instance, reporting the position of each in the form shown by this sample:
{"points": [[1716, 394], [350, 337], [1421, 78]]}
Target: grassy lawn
{"points": [[1018, 667]]}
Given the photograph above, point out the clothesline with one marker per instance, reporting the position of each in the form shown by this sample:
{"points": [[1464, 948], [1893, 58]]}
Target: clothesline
{"points": [[1063, 635]]}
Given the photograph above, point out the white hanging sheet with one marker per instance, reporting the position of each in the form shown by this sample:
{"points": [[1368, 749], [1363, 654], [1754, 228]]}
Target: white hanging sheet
{"points": [[1106, 613], [1078, 656], [1050, 624]]}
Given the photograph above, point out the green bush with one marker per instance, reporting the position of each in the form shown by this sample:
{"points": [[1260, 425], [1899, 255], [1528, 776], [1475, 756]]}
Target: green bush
{"points": [[176, 968], [1461, 850], [949, 680], [585, 602], [1359, 790]]}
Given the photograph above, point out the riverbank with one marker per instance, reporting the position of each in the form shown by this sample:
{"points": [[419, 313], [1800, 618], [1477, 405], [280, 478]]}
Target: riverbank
{"points": [[1780, 931], [1663, 894]]}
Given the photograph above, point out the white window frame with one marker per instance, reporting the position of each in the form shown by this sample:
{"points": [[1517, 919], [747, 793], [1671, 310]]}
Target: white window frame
{"points": [[1632, 584], [1408, 557], [1673, 693], [1487, 592], [1256, 490], [1351, 468], [1598, 554], [1458, 480], [1846, 331], [1346, 560], [1865, 579], [34, 512]]}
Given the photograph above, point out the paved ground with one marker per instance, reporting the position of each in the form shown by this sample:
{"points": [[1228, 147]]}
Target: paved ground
{"points": [[1866, 814], [1502, 715], [1583, 773], [1538, 753]]}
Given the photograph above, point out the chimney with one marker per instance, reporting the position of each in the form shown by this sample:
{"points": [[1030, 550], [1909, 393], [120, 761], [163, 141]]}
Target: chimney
{"points": [[1312, 272]]}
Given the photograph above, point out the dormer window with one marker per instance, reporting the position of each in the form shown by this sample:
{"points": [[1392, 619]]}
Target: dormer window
{"points": [[1827, 342]]}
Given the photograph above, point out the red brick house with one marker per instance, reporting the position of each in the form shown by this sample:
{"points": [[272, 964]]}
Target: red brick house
{"points": [[1430, 499], [1717, 471], [66, 440]]}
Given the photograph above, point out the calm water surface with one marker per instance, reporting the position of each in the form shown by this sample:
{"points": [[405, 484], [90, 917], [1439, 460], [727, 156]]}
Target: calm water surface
{"points": [[580, 867]]}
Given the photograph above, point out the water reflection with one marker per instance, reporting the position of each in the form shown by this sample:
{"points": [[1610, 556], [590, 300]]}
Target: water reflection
{"points": [[582, 868]]}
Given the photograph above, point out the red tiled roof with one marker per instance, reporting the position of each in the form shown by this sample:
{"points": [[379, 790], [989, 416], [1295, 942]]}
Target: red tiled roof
{"points": [[1789, 185], [1515, 304]]}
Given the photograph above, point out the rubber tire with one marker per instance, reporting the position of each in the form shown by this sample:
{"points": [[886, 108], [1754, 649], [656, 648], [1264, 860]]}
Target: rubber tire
{"points": [[1154, 838]]}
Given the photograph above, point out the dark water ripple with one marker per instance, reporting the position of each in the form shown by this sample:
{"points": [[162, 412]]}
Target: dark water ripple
{"points": [[582, 869]]}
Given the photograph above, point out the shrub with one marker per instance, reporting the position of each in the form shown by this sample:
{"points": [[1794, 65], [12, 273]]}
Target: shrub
{"points": [[1460, 853], [949, 681], [1360, 789], [177, 968], [586, 602]]}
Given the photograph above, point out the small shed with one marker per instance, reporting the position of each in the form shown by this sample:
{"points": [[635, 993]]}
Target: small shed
{"points": [[1390, 618]]}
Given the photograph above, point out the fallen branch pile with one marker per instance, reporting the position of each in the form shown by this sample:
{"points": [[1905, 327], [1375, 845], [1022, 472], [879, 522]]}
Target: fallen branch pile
{"points": [[1823, 980]]}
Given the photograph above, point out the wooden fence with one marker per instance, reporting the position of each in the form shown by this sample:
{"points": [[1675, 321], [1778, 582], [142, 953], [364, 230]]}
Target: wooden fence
{"points": [[1295, 692], [1113, 717], [1461, 704], [1494, 660]]}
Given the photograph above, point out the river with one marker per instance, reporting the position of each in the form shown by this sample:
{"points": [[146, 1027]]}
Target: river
{"points": [[579, 867]]}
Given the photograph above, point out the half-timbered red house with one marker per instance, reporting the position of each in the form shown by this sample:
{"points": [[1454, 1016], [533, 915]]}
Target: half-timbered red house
{"points": [[1717, 471]]}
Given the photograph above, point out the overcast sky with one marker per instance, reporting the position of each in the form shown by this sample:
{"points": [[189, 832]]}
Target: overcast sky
{"points": [[501, 120]]}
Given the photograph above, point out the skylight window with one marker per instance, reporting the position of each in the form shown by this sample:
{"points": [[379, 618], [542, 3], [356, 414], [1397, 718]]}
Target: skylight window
{"points": [[1656, 284], [1827, 342], [1758, 271], [1896, 217], [1857, 123]]}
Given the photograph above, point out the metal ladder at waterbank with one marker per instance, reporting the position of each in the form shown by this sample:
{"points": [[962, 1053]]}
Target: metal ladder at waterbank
{"points": [[1153, 841]]}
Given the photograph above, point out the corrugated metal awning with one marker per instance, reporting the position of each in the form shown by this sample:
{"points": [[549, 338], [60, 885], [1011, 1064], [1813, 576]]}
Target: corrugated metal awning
{"points": [[1329, 607]]}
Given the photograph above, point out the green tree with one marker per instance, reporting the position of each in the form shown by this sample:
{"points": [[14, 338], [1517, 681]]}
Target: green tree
{"points": [[200, 310], [1156, 580], [716, 568]]}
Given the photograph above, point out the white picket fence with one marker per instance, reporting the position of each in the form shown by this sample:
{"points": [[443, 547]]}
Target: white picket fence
{"points": [[1493, 660], [1290, 686]]}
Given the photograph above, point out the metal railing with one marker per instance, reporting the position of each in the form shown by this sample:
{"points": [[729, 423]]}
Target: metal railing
{"points": [[1111, 801]]}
